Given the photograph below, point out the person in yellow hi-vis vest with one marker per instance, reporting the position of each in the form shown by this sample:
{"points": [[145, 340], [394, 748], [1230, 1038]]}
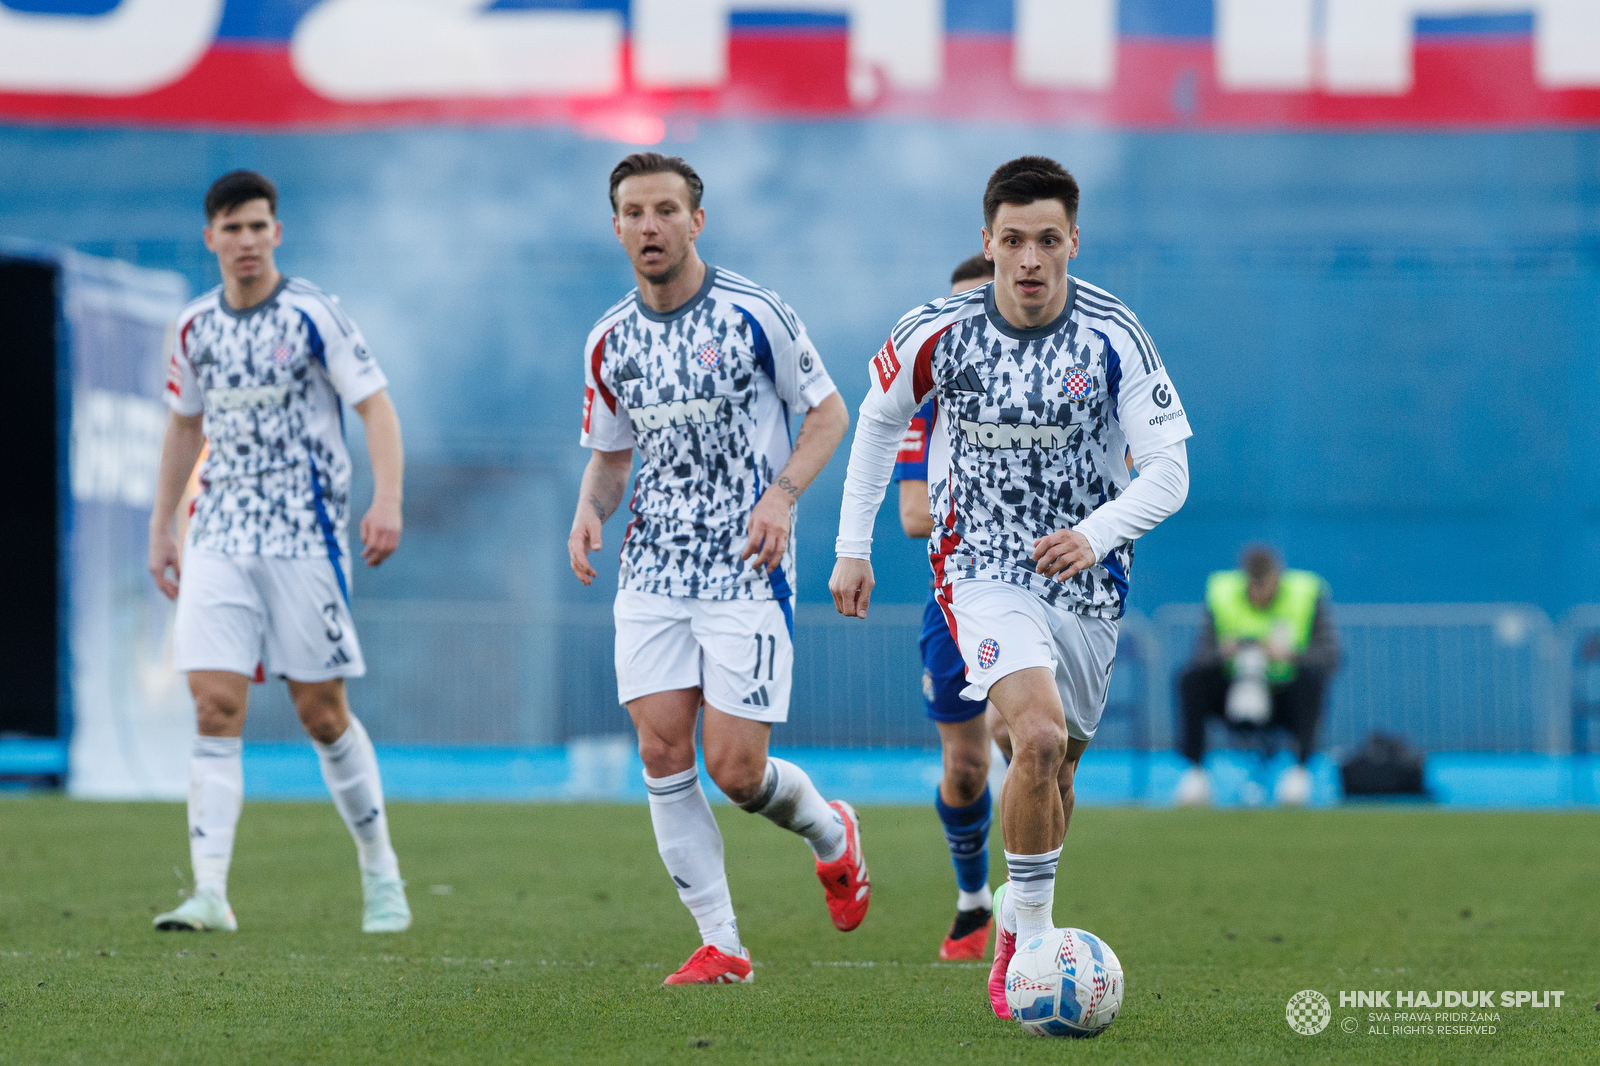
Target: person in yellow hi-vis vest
{"points": [[1265, 651]]}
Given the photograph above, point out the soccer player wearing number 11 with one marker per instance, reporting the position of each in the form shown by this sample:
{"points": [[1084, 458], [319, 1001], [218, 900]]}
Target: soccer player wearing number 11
{"points": [[698, 369], [1042, 382]]}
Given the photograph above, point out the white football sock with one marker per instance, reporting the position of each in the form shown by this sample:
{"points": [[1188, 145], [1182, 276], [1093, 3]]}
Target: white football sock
{"points": [[216, 795], [789, 799], [350, 770], [691, 847], [983, 899], [1032, 891]]}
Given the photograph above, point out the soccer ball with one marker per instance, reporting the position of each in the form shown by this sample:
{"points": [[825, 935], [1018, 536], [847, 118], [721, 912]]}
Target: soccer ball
{"points": [[1064, 983]]}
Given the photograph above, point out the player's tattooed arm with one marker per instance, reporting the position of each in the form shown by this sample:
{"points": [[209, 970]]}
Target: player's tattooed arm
{"points": [[605, 480], [824, 427]]}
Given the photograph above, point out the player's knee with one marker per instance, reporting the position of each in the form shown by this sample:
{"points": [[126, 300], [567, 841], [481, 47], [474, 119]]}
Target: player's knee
{"points": [[965, 776], [216, 711], [663, 757], [322, 713], [737, 775], [1041, 743]]}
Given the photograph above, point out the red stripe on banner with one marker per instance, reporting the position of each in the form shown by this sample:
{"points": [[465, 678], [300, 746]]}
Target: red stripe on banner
{"points": [[1160, 83]]}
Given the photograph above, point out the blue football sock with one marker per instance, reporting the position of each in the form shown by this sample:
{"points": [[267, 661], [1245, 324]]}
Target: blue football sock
{"points": [[967, 830]]}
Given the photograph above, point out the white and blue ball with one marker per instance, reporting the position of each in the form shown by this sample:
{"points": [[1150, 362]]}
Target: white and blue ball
{"points": [[1066, 982]]}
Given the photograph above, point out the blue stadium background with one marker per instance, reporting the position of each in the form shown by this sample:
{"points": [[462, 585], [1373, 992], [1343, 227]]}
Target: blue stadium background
{"points": [[1385, 340], [1383, 332]]}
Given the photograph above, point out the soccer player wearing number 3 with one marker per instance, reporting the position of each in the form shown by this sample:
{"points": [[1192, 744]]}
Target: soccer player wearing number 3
{"points": [[1042, 382], [699, 370], [260, 366]]}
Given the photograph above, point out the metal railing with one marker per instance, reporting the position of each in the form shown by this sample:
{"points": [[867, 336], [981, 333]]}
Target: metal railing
{"points": [[1447, 677], [468, 673]]}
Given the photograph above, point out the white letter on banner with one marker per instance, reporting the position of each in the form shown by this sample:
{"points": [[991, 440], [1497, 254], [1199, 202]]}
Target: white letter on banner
{"points": [[1066, 44], [683, 44], [1264, 45], [371, 50], [137, 47], [1370, 43], [1566, 43]]}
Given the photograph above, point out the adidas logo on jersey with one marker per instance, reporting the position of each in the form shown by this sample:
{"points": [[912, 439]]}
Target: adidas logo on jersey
{"points": [[967, 381], [630, 370], [676, 413], [758, 698], [1016, 435]]}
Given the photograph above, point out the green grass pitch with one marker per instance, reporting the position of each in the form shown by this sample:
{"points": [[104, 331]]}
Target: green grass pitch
{"points": [[558, 923]]}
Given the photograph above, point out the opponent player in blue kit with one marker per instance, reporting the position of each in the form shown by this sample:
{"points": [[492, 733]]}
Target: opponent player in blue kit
{"points": [[962, 798]]}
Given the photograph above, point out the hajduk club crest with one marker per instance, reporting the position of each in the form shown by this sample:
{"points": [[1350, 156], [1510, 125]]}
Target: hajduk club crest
{"points": [[708, 355], [281, 355], [988, 652], [1078, 385]]}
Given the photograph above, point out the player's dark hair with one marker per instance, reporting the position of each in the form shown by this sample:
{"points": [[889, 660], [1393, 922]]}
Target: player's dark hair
{"points": [[655, 163], [1259, 561], [239, 187], [1029, 179], [970, 269]]}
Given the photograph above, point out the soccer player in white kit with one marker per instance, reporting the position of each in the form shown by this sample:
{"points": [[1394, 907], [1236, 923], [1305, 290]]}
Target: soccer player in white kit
{"points": [[1043, 381], [260, 366], [699, 370]]}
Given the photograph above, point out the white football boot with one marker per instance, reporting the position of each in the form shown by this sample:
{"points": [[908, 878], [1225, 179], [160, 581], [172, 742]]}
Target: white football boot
{"points": [[1294, 787], [386, 909], [1194, 788], [203, 912]]}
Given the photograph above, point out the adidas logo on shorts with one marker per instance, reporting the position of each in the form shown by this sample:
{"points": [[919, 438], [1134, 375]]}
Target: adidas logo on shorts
{"points": [[758, 698], [338, 658]]}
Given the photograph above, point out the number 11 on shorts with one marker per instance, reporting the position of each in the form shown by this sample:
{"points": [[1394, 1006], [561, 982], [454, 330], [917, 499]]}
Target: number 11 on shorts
{"points": [[772, 655]]}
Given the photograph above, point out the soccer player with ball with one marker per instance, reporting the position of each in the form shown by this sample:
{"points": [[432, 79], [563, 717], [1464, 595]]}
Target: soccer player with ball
{"points": [[1043, 383], [699, 369]]}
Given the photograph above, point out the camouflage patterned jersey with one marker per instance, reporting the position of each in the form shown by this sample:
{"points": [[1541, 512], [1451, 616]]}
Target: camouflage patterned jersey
{"points": [[269, 379], [1036, 421], [705, 394]]}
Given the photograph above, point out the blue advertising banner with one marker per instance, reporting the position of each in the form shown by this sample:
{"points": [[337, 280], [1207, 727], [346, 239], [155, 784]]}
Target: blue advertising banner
{"points": [[130, 714]]}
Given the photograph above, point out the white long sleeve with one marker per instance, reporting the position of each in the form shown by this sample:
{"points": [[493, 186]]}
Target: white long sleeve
{"points": [[871, 465], [1157, 493]]}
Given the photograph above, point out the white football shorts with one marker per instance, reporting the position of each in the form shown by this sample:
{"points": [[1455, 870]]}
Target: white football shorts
{"points": [[289, 615], [1001, 629], [738, 653]]}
